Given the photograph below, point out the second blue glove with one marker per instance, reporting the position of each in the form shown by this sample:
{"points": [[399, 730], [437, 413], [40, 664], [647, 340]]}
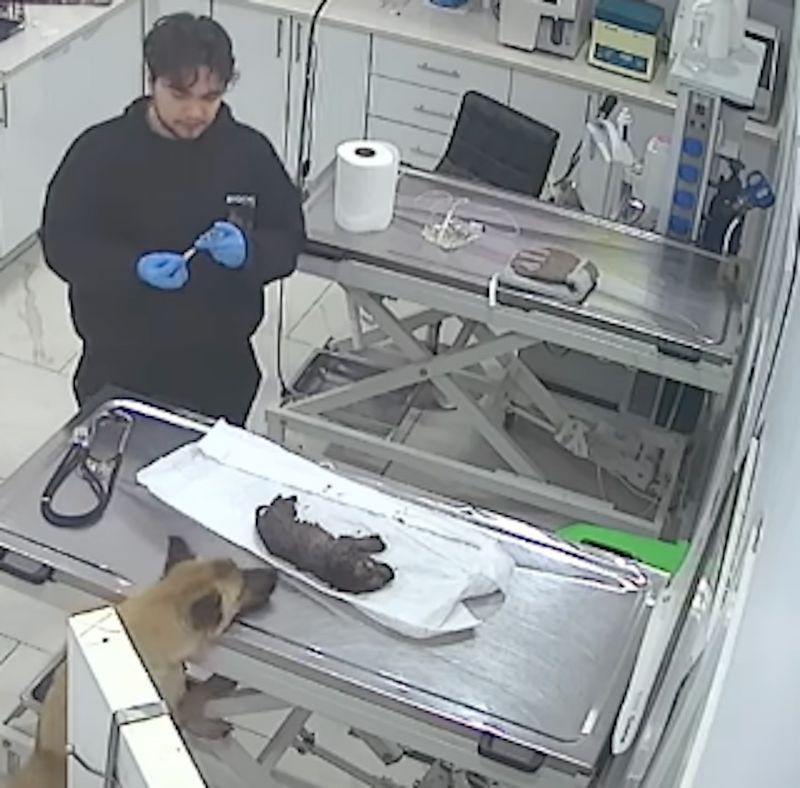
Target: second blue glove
{"points": [[164, 270], [226, 243]]}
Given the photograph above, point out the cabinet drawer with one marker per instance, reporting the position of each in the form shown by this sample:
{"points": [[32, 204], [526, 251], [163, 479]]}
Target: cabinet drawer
{"points": [[432, 68], [429, 109], [418, 147]]}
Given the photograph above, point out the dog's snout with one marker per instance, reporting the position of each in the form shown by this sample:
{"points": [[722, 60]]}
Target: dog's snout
{"points": [[258, 587]]}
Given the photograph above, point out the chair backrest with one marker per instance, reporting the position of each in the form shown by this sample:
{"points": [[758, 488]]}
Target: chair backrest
{"points": [[497, 145]]}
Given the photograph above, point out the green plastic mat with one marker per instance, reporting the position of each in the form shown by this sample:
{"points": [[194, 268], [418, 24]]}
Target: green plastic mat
{"points": [[665, 556]]}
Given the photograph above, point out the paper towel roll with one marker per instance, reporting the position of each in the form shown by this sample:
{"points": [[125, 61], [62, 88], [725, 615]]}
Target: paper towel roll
{"points": [[366, 184]]}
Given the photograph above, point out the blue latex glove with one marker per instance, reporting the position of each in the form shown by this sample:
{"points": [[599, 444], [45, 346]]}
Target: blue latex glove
{"points": [[225, 242], [164, 270]]}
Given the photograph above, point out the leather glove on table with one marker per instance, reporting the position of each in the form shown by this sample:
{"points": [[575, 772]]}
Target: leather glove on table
{"points": [[164, 270], [226, 244]]}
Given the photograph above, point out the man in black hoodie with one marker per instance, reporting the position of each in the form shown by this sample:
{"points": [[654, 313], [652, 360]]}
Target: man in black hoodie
{"points": [[133, 200]]}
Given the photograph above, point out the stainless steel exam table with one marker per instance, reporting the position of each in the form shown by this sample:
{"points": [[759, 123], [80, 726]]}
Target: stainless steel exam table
{"points": [[661, 308], [664, 296], [528, 699]]}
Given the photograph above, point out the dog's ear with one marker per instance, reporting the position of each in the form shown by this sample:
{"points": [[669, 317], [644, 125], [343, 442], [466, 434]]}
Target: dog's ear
{"points": [[177, 552], [205, 614]]}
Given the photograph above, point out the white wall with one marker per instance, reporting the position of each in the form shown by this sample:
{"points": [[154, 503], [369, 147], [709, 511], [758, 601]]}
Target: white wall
{"points": [[753, 738]]}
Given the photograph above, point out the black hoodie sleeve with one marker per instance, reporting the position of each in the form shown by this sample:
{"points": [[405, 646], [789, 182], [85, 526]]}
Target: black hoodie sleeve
{"points": [[75, 232], [279, 233]]}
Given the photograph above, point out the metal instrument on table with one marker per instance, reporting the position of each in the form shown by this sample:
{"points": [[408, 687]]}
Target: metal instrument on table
{"points": [[556, 26], [95, 454]]}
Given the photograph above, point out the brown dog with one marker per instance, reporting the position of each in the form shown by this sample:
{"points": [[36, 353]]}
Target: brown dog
{"points": [[170, 623]]}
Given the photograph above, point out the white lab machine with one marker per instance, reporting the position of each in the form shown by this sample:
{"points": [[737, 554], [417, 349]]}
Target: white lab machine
{"points": [[626, 37], [714, 98], [754, 30], [560, 27]]}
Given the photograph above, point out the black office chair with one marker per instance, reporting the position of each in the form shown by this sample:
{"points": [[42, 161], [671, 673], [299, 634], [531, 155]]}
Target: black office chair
{"points": [[499, 146]]}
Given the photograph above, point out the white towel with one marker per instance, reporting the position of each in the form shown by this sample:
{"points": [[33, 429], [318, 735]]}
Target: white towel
{"points": [[439, 559]]}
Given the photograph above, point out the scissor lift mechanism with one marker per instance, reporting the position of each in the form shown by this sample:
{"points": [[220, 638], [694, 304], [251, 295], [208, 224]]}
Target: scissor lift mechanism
{"points": [[480, 375]]}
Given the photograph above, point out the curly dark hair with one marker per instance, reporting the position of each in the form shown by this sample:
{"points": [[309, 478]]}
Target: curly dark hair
{"points": [[179, 45]]}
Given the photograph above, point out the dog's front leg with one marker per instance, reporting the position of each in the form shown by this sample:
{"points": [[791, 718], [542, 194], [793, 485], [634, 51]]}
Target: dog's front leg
{"points": [[192, 707]]}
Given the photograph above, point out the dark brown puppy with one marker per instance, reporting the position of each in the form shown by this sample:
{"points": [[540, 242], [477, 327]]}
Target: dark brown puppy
{"points": [[344, 563]]}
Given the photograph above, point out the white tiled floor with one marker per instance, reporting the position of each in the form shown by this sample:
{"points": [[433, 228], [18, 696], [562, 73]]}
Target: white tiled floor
{"points": [[38, 352]]}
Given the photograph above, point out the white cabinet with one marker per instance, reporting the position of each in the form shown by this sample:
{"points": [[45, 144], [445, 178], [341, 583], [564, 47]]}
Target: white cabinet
{"points": [[420, 148], [557, 104], [414, 105], [339, 107], [113, 41], [41, 113], [22, 122], [416, 92], [259, 97], [439, 70]]}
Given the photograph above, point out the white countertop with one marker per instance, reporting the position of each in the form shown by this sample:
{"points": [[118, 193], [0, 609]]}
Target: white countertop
{"points": [[47, 28], [474, 33]]}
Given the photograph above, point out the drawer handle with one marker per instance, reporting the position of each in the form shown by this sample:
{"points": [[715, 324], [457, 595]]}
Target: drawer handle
{"points": [[28, 570], [422, 152], [439, 71], [58, 52], [423, 110]]}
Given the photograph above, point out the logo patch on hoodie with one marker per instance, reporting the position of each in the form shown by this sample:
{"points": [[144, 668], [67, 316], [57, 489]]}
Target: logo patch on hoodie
{"points": [[241, 210]]}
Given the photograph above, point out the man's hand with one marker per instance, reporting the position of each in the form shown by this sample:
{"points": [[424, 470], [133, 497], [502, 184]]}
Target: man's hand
{"points": [[164, 270], [226, 244]]}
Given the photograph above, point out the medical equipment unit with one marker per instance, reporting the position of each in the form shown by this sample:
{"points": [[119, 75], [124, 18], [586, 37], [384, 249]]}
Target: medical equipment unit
{"points": [[626, 37], [556, 26], [714, 97], [606, 170], [611, 180]]}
